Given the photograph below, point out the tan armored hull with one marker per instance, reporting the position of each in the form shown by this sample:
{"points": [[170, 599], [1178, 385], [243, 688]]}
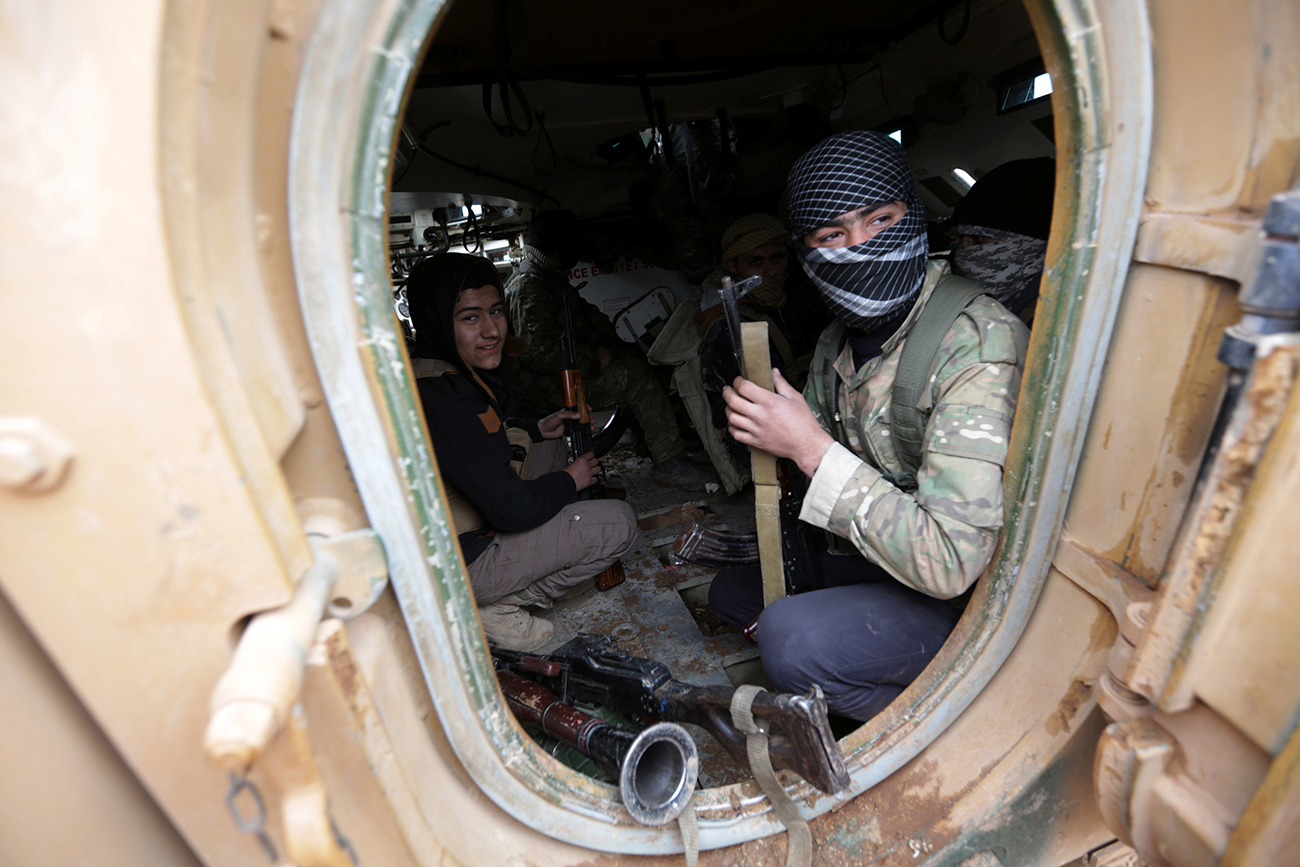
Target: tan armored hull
{"points": [[207, 413]]}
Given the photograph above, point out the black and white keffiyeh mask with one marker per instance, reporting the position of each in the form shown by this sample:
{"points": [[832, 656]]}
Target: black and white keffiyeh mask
{"points": [[867, 284]]}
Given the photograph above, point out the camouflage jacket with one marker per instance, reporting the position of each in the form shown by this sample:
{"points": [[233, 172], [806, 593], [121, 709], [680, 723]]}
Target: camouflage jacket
{"points": [[939, 538], [533, 298]]}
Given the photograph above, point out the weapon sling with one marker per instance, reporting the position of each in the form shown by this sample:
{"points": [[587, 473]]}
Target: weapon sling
{"points": [[767, 490]]}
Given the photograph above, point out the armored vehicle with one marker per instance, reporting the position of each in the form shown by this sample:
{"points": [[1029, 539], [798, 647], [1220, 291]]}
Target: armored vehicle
{"points": [[236, 625]]}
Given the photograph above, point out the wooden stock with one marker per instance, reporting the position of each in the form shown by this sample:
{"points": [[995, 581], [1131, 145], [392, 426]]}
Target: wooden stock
{"points": [[575, 397], [612, 576]]}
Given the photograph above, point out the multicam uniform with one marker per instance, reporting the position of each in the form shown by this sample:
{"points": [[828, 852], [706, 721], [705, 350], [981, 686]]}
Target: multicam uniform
{"points": [[881, 617], [532, 294], [939, 538]]}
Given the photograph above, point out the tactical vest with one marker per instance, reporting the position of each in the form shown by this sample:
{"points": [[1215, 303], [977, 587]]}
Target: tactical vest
{"points": [[464, 516]]}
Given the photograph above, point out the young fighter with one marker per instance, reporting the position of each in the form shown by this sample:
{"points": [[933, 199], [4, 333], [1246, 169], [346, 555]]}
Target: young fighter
{"points": [[507, 481], [860, 234]]}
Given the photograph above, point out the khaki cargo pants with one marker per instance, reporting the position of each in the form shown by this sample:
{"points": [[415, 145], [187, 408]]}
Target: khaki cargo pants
{"points": [[579, 542]]}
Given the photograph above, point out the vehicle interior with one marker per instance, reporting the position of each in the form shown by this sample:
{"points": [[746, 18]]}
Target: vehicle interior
{"points": [[658, 135]]}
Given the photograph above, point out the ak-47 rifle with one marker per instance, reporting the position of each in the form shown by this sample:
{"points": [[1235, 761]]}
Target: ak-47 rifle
{"points": [[708, 547], [591, 668], [578, 431]]}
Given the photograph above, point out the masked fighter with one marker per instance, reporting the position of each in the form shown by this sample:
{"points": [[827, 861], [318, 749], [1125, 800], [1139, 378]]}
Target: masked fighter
{"points": [[1000, 231], [860, 234]]}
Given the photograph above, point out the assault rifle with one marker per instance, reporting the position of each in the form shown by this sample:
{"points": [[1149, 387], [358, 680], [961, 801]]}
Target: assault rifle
{"points": [[708, 547], [578, 431], [591, 668], [705, 546], [730, 294]]}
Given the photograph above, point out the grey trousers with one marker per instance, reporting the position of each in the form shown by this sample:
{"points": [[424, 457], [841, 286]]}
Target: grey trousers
{"points": [[863, 637], [579, 542]]}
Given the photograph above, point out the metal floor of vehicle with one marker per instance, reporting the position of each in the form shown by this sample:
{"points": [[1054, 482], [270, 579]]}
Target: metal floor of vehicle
{"points": [[650, 613]]}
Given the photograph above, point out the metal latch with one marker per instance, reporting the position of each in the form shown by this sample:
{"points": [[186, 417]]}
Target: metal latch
{"points": [[258, 696]]}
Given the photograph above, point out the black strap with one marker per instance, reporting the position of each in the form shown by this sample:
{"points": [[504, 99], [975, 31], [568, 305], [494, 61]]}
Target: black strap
{"points": [[907, 424]]}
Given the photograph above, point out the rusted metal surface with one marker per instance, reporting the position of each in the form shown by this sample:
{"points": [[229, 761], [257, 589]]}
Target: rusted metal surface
{"points": [[1208, 529], [1268, 832], [1244, 659], [1140, 463]]}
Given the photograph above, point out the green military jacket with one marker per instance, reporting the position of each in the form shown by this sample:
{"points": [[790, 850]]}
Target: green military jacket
{"points": [[533, 303], [939, 538]]}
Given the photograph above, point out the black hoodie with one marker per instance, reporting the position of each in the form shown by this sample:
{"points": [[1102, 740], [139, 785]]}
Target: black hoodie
{"points": [[467, 410]]}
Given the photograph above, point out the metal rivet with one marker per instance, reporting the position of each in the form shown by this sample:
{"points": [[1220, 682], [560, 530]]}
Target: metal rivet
{"points": [[33, 456], [20, 462]]}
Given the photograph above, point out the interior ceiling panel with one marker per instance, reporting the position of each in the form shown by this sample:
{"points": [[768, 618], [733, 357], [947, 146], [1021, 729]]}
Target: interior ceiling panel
{"points": [[476, 39]]}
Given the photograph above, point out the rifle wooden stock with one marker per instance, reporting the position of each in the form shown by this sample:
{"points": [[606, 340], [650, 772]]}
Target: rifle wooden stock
{"points": [[611, 576], [575, 396]]}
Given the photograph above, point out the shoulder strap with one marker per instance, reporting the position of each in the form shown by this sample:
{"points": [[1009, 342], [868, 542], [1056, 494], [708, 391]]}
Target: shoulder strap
{"points": [[907, 425], [431, 368]]}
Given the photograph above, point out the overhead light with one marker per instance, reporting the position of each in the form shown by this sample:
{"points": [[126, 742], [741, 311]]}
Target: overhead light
{"points": [[897, 135], [964, 179]]}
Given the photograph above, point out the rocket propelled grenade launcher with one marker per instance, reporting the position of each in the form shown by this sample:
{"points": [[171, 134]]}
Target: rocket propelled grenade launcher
{"points": [[591, 668], [656, 769]]}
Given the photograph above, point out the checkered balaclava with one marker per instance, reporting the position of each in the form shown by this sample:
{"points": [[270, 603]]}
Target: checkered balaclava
{"points": [[864, 285]]}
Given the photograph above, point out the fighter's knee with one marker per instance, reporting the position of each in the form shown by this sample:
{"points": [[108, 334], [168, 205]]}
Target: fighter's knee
{"points": [[720, 592], [628, 524], [614, 521], [785, 638]]}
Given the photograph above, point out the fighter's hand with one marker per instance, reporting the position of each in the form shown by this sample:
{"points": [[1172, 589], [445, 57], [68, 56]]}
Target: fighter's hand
{"points": [[780, 423], [552, 426], [584, 469]]}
